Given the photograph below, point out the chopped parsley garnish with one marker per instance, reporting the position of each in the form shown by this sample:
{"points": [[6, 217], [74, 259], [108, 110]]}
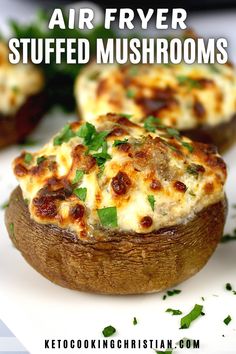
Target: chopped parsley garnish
{"points": [[173, 133], [227, 320], [193, 170], [130, 93], [165, 352], [81, 193], [41, 159], [151, 123], [152, 201], [188, 81], [174, 312], [125, 115], [28, 158], [120, 142], [191, 316], [133, 71], [108, 331], [78, 176], [97, 140], [188, 146], [103, 156], [64, 136], [135, 322], [228, 287], [5, 205], [192, 193], [171, 293], [226, 238], [86, 132], [108, 216]]}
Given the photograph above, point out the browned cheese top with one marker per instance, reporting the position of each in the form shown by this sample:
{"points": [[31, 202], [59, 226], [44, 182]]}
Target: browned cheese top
{"points": [[182, 96], [121, 175]]}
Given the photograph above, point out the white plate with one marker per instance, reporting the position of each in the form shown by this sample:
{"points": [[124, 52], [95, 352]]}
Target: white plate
{"points": [[36, 309]]}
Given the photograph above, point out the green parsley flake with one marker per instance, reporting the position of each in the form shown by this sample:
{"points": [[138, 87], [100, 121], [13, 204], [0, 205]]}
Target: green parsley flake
{"points": [[191, 316], [151, 123], [228, 287], [120, 142], [78, 176], [188, 146], [173, 133], [174, 312], [193, 170], [130, 93], [135, 322], [64, 136], [171, 293], [125, 115], [166, 352], [103, 156], [28, 158], [41, 159], [188, 81], [81, 193], [227, 320], [108, 331], [108, 216], [152, 201]]}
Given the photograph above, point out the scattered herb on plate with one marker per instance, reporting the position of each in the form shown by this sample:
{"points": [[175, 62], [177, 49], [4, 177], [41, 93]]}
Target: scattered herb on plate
{"points": [[135, 322], [171, 293], [108, 331], [227, 320], [228, 287], [191, 316], [174, 312]]}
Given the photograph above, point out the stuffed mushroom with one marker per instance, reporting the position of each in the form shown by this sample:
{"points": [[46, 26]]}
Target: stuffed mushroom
{"points": [[198, 99], [22, 98], [117, 207]]}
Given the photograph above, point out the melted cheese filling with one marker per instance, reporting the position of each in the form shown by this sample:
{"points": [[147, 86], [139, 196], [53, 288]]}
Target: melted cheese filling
{"points": [[143, 158], [183, 96], [17, 83]]}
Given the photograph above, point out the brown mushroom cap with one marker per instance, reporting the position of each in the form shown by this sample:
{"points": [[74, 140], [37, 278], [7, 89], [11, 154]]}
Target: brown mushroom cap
{"points": [[120, 262], [16, 127]]}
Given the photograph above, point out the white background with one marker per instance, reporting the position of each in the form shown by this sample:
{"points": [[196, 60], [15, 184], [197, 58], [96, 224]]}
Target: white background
{"points": [[36, 309]]}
